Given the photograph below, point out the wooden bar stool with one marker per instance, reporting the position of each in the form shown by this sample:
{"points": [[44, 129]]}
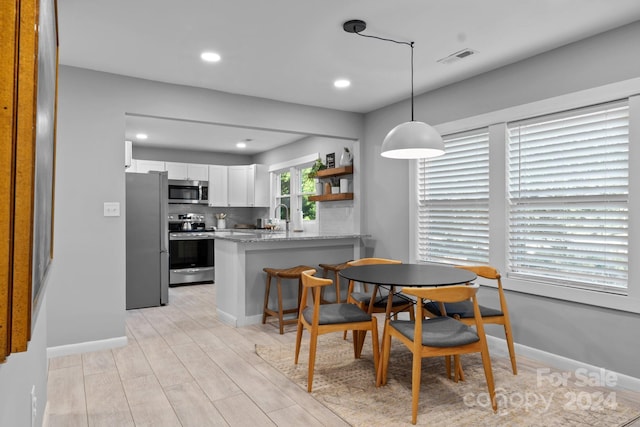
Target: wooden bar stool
{"points": [[326, 268], [279, 274]]}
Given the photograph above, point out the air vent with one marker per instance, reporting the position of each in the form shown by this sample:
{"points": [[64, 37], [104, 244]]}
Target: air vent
{"points": [[455, 57]]}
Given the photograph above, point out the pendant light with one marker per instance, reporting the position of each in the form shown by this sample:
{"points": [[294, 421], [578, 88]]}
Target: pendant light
{"points": [[412, 139]]}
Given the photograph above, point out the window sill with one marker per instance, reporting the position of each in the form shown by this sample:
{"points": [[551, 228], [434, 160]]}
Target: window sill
{"points": [[576, 295]]}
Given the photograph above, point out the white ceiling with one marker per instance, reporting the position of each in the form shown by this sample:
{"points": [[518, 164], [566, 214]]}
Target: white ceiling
{"points": [[293, 50]]}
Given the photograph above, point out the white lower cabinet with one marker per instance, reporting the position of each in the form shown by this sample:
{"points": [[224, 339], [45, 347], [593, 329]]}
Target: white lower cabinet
{"points": [[239, 186]]}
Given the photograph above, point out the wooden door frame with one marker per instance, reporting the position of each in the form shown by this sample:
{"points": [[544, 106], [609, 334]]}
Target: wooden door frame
{"points": [[19, 39]]}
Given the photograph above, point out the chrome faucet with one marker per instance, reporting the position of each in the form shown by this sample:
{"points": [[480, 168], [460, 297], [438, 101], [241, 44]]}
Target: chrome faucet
{"points": [[286, 209]]}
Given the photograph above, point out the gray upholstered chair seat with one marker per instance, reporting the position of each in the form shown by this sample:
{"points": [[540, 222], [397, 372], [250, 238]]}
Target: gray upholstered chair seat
{"points": [[464, 309], [337, 313], [439, 332]]}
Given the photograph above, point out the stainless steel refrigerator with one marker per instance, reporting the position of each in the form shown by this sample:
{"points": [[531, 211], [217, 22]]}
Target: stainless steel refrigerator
{"points": [[147, 239]]}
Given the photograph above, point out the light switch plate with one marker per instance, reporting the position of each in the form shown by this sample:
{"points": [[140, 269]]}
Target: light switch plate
{"points": [[111, 209]]}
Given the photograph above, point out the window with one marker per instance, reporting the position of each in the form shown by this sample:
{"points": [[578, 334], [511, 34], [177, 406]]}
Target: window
{"points": [[308, 188], [453, 201], [293, 188], [568, 197], [283, 192]]}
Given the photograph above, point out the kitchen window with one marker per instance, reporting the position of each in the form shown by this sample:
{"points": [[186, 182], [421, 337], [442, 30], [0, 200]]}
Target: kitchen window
{"points": [[292, 187]]}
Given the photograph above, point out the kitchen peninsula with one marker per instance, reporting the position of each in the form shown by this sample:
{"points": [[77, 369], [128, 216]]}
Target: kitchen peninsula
{"points": [[241, 256]]}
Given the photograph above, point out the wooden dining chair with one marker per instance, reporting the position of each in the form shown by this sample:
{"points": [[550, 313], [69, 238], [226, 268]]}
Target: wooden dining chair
{"points": [[437, 336], [463, 310], [363, 299], [321, 319]]}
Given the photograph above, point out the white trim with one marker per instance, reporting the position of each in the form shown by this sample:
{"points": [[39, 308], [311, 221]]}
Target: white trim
{"points": [[45, 418], [87, 346], [309, 158], [498, 347], [227, 318], [413, 211]]}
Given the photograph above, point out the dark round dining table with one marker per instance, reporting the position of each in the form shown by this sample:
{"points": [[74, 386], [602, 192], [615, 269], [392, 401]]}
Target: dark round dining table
{"points": [[408, 275]]}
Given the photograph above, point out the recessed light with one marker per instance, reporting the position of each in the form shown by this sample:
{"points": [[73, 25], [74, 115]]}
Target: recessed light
{"points": [[210, 56], [243, 143], [142, 136], [342, 83]]}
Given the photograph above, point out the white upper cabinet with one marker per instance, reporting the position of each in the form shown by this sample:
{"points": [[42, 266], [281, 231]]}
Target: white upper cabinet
{"points": [[218, 186], [261, 185], [239, 186], [239, 191], [144, 166], [187, 171]]}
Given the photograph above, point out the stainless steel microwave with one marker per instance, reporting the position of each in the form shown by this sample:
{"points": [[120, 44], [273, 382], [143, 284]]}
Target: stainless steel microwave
{"points": [[188, 191]]}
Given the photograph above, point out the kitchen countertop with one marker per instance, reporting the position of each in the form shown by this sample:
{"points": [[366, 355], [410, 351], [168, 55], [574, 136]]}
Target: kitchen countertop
{"points": [[247, 236]]}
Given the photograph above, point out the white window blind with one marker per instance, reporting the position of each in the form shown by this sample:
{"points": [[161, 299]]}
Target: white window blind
{"points": [[453, 201], [568, 194]]}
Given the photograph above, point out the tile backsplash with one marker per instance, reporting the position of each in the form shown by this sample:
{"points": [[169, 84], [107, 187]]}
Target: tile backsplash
{"points": [[234, 215], [336, 217]]}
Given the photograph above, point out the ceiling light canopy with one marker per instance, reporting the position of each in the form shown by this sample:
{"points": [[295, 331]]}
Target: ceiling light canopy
{"points": [[141, 136], [210, 56], [243, 143], [409, 140], [342, 83]]}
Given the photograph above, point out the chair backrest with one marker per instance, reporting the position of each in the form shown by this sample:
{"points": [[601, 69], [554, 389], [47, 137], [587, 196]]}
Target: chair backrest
{"points": [[455, 293], [485, 271], [492, 273], [371, 261], [309, 281], [444, 294]]}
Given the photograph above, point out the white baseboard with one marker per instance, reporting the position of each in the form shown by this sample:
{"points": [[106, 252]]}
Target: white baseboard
{"points": [[85, 347], [45, 418], [227, 318], [498, 347]]}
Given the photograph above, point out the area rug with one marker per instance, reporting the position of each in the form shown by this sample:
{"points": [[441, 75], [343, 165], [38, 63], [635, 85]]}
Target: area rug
{"points": [[535, 397]]}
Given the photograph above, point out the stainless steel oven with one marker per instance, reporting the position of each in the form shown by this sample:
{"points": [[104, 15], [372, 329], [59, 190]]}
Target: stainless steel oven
{"points": [[191, 258]]}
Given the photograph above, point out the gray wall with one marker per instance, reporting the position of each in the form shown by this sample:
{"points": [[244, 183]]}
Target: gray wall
{"points": [[601, 337]]}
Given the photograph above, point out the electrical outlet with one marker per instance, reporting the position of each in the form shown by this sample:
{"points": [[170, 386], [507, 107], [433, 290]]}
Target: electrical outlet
{"points": [[111, 209], [34, 406]]}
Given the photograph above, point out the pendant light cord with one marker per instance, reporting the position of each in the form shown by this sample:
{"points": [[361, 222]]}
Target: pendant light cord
{"points": [[410, 44]]}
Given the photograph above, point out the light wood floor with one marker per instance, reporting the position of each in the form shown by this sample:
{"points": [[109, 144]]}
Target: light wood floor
{"points": [[182, 367]]}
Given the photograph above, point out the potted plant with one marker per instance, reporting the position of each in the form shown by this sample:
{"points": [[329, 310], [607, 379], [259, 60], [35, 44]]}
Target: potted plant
{"points": [[313, 173], [317, 166]]}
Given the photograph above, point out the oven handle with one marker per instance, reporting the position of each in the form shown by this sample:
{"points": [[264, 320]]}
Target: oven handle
{"points": [[191, 270]]}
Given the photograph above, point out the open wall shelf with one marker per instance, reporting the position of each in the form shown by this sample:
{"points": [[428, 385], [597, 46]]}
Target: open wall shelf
{"points": [[331, 197], [329, 173]]}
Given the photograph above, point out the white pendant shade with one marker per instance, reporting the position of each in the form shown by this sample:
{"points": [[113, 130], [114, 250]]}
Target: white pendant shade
{"points": [[412, 140]]}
